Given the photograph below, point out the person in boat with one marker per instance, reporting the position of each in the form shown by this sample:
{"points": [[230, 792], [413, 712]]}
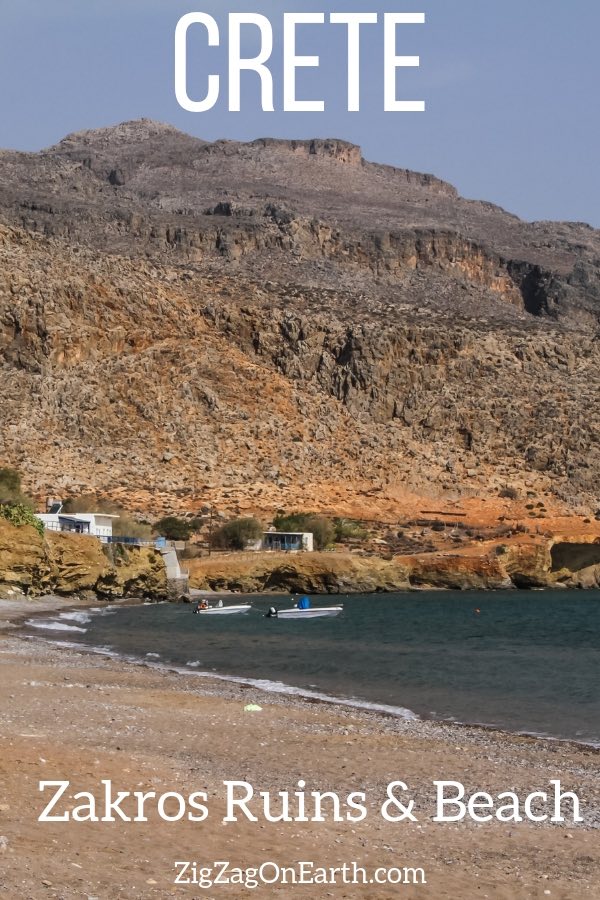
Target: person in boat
{"points": [[200, 605], [272, 614]]}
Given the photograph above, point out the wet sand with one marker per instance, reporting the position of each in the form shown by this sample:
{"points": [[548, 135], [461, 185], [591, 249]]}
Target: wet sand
{"points": [[70, 715]]}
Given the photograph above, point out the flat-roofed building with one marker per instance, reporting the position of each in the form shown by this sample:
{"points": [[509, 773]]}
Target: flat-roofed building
{"points": [[99, 525], [291, 541]]}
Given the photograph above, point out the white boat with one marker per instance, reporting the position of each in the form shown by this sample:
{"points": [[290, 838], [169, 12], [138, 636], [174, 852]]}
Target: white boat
{"points": [[223, 610], [312, 613], [304, 610]]}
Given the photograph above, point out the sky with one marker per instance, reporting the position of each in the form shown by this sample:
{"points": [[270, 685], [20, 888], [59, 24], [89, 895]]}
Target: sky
{"points": [[511, 87]]}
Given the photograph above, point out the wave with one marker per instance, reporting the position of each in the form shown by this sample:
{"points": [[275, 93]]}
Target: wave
{"points": [[79, 647], [82, 617], [280, 687], [53, 625]]}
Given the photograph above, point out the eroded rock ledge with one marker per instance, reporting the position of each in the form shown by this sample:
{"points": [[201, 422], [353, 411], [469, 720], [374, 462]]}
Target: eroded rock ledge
{"points": [[69, 564], [553, 563], [66, 564]]}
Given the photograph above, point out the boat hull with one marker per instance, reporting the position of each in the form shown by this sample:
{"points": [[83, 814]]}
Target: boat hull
{"points": [[324, 612], [225, 610]]}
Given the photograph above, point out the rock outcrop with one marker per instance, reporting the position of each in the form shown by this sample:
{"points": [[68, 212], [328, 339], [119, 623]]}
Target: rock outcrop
{"points": [[316, 573], [68, 564], [74, 564], [556, 562]]}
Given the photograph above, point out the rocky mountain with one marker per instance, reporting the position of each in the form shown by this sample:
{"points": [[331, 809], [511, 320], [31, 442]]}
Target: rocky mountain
{"points": [[282, 324]]}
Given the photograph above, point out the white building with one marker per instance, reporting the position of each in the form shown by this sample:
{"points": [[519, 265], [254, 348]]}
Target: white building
{"points": [[292, 541], [98, 525]]}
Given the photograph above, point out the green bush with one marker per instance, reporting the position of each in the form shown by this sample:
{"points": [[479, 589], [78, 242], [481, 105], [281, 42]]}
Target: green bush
{"points": [[321, 528], [10, 479], [19, 514], [235, 535], [174, 528], [89, 503], [347, 529]]}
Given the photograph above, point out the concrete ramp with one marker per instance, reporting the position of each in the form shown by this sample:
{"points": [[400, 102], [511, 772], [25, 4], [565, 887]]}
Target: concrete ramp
{"points": [[178, 581]]}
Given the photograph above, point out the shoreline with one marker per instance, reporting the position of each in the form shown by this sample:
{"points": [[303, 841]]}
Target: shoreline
{"points": [[16, 611], [213, 681], [248, 682], [84, 716], [301, 696]]}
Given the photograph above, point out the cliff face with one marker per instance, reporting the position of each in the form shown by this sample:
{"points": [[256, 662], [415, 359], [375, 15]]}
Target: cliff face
{"points": [[558, 562], [316, 573], [68, 564], [283, 324], [71, 564]]}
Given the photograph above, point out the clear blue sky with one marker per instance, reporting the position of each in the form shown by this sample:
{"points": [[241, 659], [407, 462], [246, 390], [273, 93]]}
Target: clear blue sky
{"points": [[511, 86]]}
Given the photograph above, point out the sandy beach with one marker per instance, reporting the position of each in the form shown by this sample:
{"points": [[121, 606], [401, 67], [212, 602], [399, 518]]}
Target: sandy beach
{"points": [[85, 718]]}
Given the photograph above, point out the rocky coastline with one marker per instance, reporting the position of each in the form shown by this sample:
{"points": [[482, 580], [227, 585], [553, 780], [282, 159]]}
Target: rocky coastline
{"points": [[80, 567], [70, 565], [549, 563]]}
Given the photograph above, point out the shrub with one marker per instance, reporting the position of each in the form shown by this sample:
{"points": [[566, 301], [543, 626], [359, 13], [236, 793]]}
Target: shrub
{"points": [[191, 551], [508, 492], [236, 534], [124, 526], [10, 479], [347, 529], [10, 488], [89, 503], [19, 514], [291, 521], [322, 529], [174, 528]]}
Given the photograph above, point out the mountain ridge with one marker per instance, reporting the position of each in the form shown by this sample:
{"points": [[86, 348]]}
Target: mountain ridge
{"points": [[385, 334]]}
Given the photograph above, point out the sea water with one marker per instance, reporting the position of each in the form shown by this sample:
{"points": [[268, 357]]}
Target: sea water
{"points": [[520, 661]]}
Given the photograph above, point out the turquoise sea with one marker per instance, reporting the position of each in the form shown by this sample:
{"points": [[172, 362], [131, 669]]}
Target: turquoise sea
{"points": [[521, 661]]}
